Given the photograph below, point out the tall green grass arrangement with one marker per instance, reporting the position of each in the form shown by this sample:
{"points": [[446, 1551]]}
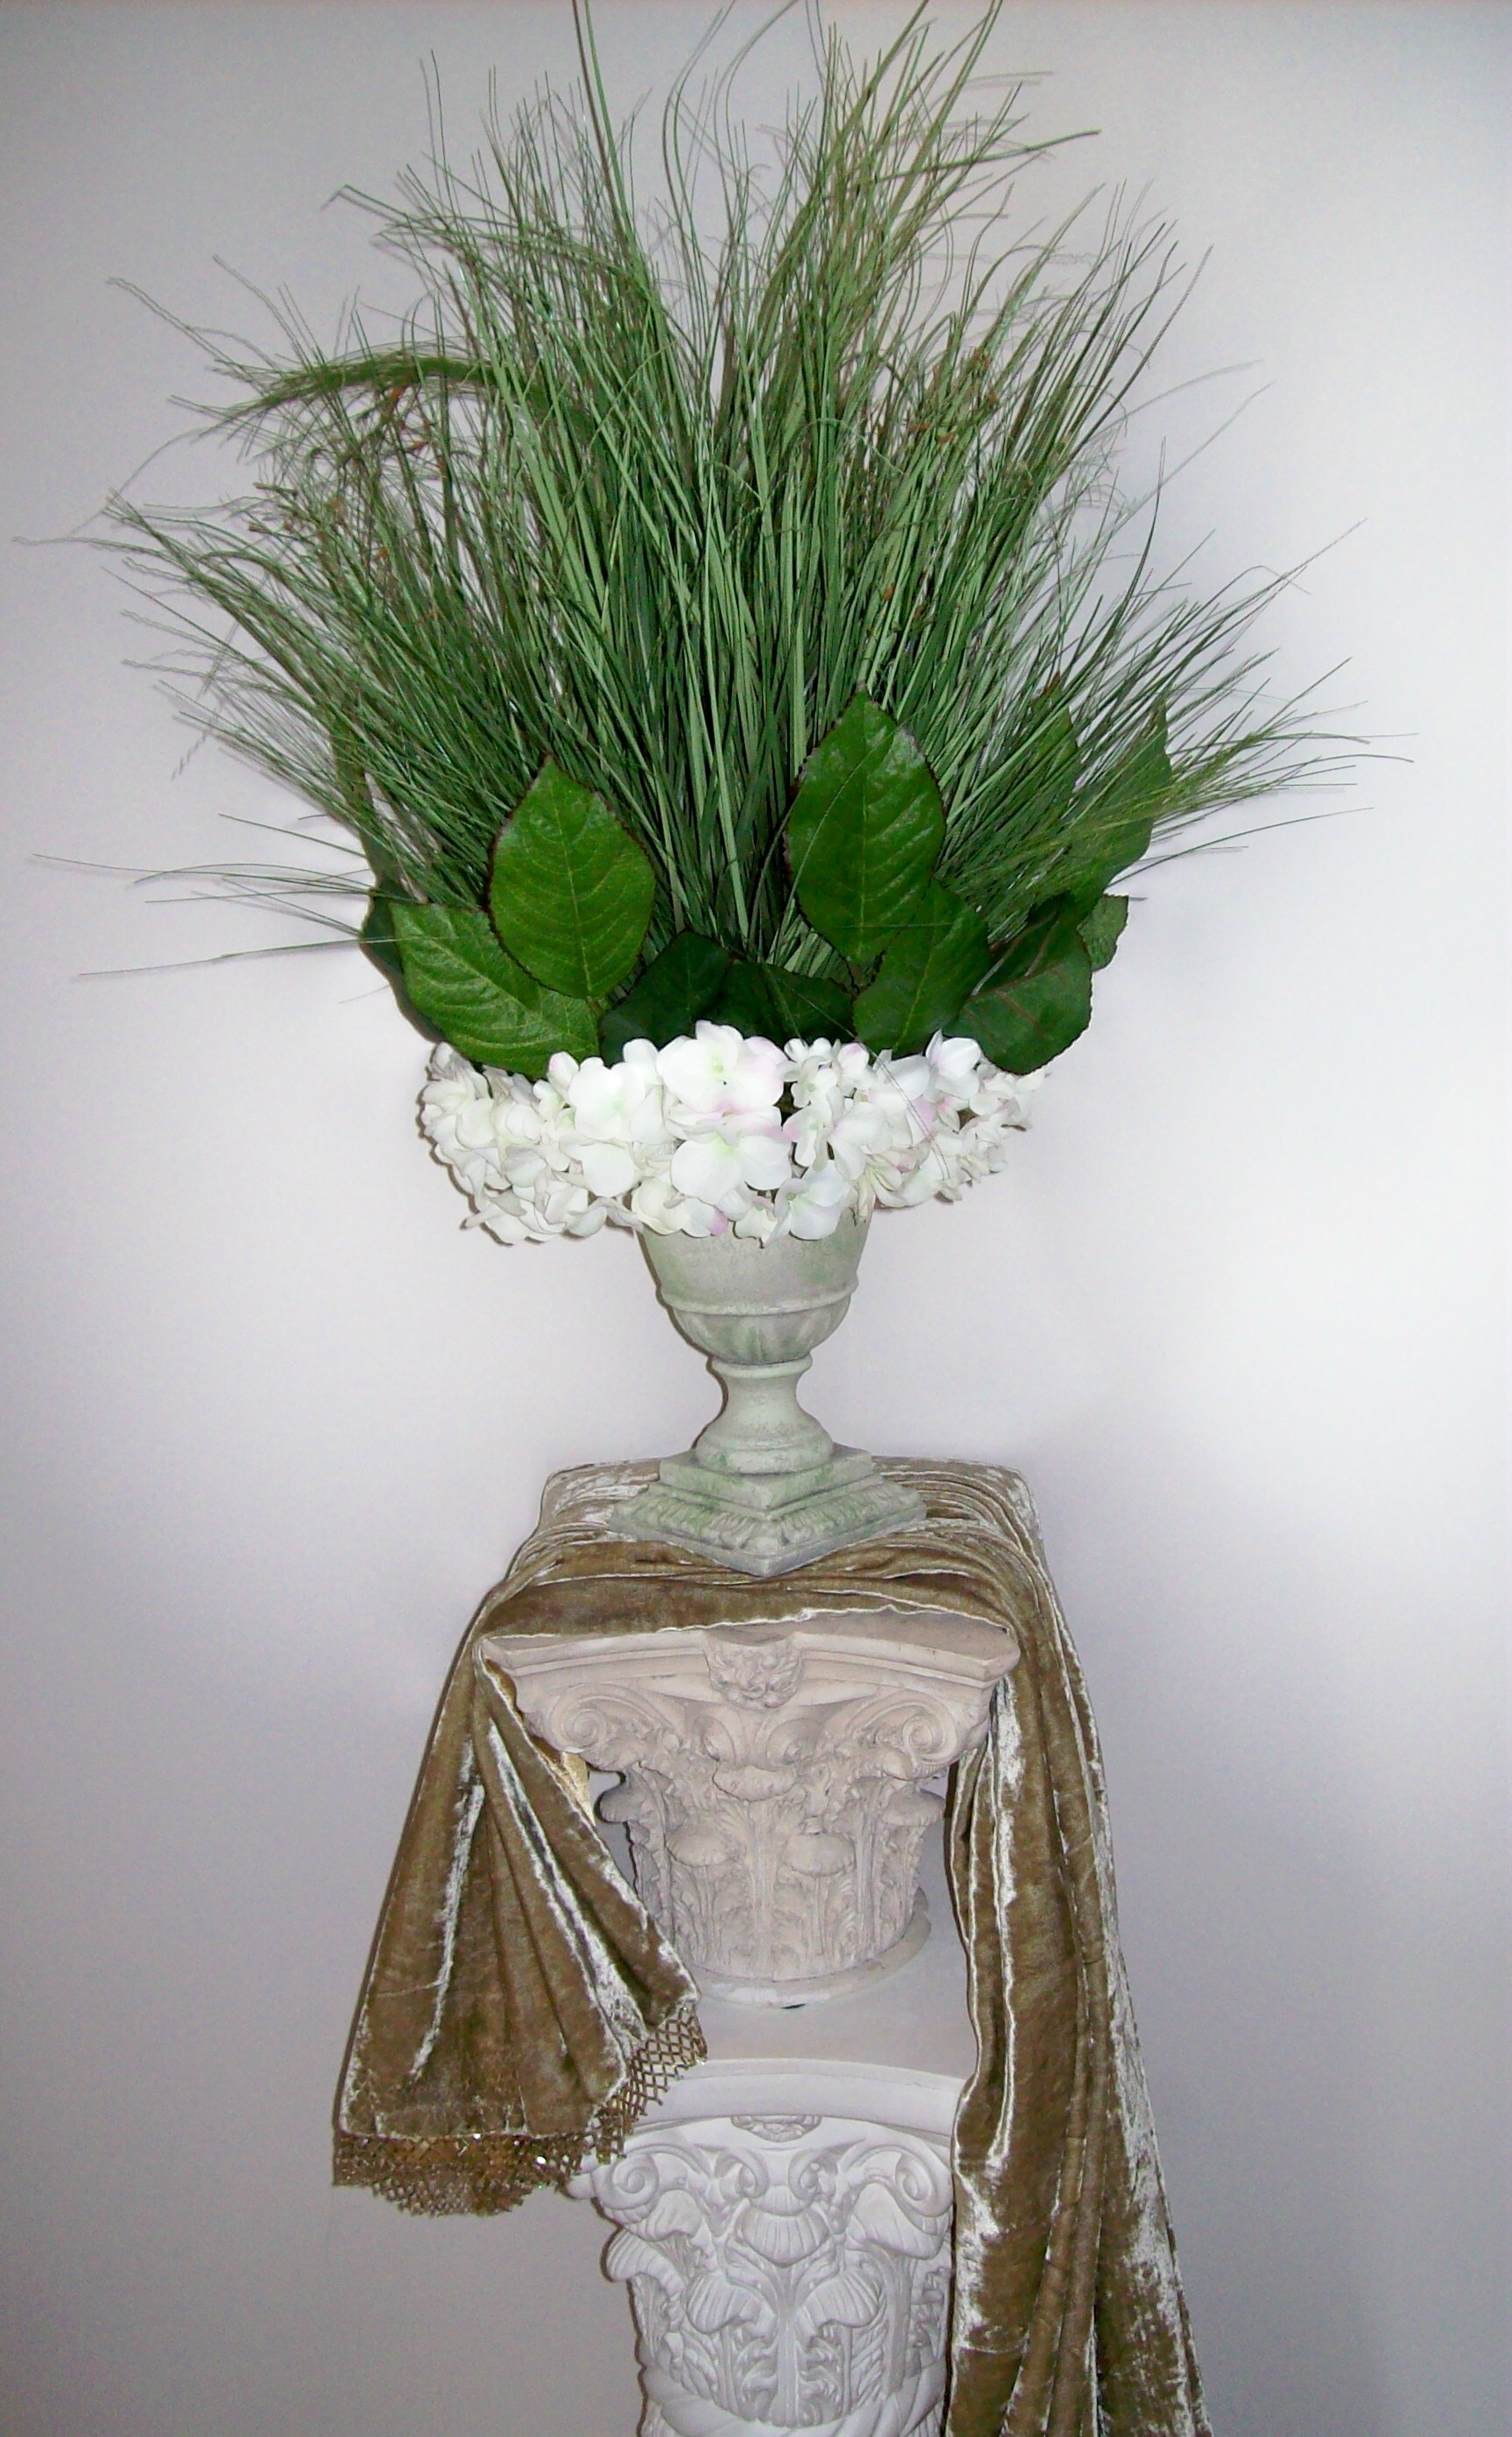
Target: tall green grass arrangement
{"points": [[717, 595]]}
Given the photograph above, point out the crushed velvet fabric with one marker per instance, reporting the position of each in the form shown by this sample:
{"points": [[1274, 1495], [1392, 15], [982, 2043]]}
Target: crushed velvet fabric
{"points": [[521, 2010]]}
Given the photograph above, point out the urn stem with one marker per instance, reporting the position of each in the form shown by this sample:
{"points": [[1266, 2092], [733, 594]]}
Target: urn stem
{"points": [[763, 1430]]}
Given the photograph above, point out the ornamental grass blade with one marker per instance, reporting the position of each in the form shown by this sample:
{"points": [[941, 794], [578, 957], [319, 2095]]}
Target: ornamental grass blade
{"points": [[939, 956], [571, 892], [480, 999], [666, 465], [676, 988], [1049, 783], [865, 828]]}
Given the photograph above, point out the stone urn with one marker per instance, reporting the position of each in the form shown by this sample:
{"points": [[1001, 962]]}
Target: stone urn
{"points": [[764, 1488]]}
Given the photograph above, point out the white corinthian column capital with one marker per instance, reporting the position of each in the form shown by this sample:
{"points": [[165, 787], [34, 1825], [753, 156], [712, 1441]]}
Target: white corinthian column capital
{"points": [[789, 2271], [773, 1778]]}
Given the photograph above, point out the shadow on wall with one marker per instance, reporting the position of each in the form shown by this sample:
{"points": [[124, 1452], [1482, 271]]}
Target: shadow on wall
{"points": [[1320, 2006], [1260, 2065]]}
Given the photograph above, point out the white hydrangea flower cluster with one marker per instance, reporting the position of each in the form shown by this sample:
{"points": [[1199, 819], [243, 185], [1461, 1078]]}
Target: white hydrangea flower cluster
{"points": [[718, 1131]]}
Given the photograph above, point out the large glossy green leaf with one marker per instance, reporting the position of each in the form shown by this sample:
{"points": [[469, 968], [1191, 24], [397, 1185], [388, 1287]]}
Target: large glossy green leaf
{"points": [[807, 1008], [940, 955], [865, 830], [1122, 817], [378, 937], [746, 1002], [769, 1002], [480, 999], [379, 942], [674, 991], [1039, 999], [1103, 929], [1049, 759], [571, 892]]}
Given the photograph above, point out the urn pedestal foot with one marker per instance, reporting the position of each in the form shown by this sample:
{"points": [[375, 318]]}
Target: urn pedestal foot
{"points": [[767, 1524]]}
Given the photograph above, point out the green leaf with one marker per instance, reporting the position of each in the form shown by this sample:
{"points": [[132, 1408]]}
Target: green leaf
{"points": [[1121, 818], [776, 1005], [940, 955], [674, 991], [1103, 929], [746, 1002], [1053, 757], [479, 998], [379, 943], [865, 830], [378, 940], [1040, 999], [571, 892], [809, 1010]]}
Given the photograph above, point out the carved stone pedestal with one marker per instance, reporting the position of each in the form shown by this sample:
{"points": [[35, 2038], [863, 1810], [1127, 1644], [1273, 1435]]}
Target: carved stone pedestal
{"points": [[773, 1779], [783, 2217], [788, 2266]]}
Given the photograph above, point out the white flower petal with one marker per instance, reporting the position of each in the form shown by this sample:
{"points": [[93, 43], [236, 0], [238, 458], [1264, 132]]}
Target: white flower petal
{"points": [[706, 1167], [720, 1072], [656, 1205], [809, 1221], [607, 1168], [765, 1163], [760, 1223]]}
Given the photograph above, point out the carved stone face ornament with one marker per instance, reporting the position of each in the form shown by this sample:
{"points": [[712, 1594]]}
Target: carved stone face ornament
{"points": [[757, 1667]]}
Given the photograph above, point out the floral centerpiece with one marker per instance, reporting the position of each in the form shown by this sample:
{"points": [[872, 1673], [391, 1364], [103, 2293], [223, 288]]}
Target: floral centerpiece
{"points": [[711, 626]]}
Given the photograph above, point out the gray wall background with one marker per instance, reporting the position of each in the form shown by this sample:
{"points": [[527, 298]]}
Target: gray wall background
{"points": [[274, 1422]]}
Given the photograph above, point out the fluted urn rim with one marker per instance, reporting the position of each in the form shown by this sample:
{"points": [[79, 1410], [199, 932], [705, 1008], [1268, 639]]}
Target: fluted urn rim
{"points": [[754, 1303]]}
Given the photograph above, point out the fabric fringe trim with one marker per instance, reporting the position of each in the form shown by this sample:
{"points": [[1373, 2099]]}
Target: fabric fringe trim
{"points": [[482, 2174]]}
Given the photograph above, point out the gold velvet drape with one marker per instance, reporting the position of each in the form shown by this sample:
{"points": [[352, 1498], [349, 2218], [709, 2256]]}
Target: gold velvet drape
{"points": [[521, 2010]]}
